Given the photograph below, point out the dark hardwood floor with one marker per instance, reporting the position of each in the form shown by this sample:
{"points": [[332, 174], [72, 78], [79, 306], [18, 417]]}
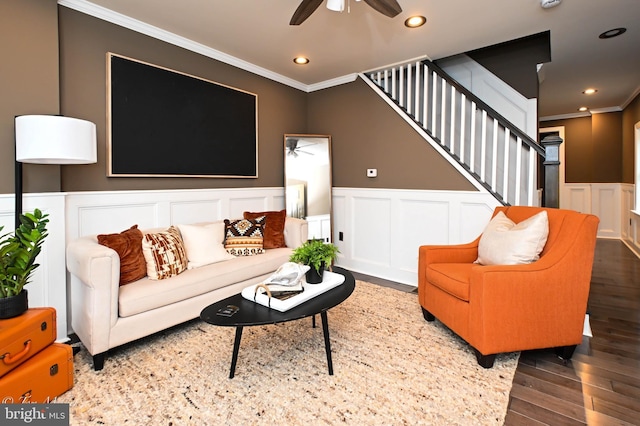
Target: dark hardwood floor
{"points": [[600, 385]]}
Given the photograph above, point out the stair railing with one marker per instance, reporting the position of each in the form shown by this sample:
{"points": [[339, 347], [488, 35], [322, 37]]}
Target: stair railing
{"points": [[498, 154]]}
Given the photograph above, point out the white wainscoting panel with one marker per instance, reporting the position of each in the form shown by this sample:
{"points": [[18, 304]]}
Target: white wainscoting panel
{"points": [[611, 202], [383, 228], [634, 233], [91, 213], [48, 281], [578, 197], [628, 204], [606, 203]]}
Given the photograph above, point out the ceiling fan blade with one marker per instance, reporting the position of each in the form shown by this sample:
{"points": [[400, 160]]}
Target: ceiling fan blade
{"points": [[306, 8], [388, 8]]}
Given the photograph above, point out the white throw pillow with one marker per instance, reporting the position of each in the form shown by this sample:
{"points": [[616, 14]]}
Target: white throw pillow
{"points": [[203, 244], [504, 242]]}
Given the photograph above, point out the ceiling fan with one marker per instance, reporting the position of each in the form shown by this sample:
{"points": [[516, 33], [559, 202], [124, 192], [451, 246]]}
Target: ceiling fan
{"points": [[388, 8], [293, 148]]}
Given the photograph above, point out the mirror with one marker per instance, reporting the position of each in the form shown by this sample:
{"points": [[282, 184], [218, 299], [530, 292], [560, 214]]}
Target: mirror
{"points": [[307, 179]]}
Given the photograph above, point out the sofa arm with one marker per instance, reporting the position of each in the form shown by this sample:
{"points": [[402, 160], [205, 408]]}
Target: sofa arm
{"points": [[296, 232], [95, 277], [461, 253]]}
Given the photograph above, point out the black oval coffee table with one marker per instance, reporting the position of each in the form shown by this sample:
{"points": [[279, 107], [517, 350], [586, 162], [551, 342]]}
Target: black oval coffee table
{"points": [[250, 313]]}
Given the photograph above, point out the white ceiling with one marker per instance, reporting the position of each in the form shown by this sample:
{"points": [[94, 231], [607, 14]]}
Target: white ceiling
{"points": [[257, 32]]}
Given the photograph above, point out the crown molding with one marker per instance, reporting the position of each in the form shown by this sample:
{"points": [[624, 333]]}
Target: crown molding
{"points": [[108, 15], [581, 114], [605, 110], [565, 116], [349, 78], [631, 98]]}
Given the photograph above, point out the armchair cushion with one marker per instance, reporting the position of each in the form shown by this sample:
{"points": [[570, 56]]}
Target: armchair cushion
{"points": [[452, 278], [504, 242]]}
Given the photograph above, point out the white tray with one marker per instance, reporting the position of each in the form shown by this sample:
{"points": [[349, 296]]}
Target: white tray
{"points": [[329, 280]]}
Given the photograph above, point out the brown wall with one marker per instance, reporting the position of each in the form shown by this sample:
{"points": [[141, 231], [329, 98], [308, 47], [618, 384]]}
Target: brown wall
{"points": [[630, 116], [367, 133], [84, 43], [593, 148], [607, 143], [28, 82]]}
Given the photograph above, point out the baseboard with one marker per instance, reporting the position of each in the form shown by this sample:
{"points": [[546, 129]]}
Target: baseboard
{"points": [[631, 247]]}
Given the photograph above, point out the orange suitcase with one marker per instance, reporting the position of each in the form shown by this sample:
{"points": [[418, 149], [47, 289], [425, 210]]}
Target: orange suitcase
{"points": [[41, 378], [23, 336]]}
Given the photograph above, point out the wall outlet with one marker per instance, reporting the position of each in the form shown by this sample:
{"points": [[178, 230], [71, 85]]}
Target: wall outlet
{"points": [[372, 172]]}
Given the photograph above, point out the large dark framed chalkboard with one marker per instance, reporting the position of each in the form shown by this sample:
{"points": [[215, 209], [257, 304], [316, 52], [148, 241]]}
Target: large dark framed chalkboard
{"points": [[166, 123]]}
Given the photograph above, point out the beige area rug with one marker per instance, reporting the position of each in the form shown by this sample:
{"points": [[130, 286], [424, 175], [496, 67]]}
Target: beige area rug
{"points": [[391, 367]]}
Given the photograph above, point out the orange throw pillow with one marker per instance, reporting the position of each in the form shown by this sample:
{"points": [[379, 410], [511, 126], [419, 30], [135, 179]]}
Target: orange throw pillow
{"points": [[128, 245], [273, 228]]}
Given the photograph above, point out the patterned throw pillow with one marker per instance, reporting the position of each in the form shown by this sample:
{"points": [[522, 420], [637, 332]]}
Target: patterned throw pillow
{"points": [[164, 253], [128, 245], [244, 237], [273, 227]]}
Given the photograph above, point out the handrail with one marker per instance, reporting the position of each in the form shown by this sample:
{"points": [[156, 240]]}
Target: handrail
{"points": [[495, 114], [499, 155]]}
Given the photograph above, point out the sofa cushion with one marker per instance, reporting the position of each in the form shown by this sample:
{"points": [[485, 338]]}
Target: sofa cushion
{"points": [[203, 244], [504, 242], [273, 227], [164, 253], [244, 237], [145, 295], [128, 245], [452, 278]]}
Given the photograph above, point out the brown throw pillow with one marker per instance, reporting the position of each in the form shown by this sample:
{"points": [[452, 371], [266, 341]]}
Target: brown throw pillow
{"points": [[128, 245], [273, 228]]}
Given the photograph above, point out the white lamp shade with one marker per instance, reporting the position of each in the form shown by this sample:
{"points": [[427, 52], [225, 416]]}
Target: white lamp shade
{"points": [[54, 139], [335, 5]]}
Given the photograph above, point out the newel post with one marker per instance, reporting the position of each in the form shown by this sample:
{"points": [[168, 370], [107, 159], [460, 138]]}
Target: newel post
{"points": [[551, 164]]}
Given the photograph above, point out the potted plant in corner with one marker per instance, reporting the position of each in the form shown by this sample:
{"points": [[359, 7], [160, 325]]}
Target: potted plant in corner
{"points": [[318, 255], [18, 253]]}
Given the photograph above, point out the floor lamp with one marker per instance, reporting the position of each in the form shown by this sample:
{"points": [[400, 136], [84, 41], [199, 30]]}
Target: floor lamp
{"points": [[51, 139]]}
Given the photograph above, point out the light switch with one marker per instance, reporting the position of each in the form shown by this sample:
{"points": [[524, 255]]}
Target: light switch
{"points": [[372, 172]]}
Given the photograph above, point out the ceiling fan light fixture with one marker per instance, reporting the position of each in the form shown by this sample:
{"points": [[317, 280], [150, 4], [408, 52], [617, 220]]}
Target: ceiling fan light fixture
{"points": [[300, 60], [415, 21], [335, 5]]}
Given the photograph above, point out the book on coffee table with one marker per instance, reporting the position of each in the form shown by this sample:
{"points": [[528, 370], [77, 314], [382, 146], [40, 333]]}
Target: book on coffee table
{"points": [[309, 291]]}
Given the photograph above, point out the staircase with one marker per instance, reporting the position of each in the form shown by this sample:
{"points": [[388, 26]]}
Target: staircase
{"points": [[498, 155]]}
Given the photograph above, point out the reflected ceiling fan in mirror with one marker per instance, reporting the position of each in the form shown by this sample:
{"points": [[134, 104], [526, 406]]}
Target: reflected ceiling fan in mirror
{"points": [[294, 148], [389, 8]]}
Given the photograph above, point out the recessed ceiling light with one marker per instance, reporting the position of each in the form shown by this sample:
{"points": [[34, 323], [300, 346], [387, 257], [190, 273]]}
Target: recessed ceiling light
{"points": [[583, 109], [415, 21], [613, 33], [590, 91], [301, 60]]}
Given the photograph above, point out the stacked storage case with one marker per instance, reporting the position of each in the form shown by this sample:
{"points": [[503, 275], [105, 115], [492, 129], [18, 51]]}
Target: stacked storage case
{"points": [[33, 369]]}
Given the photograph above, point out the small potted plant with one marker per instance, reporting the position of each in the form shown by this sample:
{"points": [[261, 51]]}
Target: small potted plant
{"points": [[18, 252], [318, 255]]}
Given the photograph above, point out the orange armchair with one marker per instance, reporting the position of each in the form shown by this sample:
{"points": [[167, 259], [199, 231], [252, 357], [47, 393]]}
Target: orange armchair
{"points": [[506, 308]]}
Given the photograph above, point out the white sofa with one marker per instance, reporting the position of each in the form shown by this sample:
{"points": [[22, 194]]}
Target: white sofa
{"points": [[105, 315]]}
